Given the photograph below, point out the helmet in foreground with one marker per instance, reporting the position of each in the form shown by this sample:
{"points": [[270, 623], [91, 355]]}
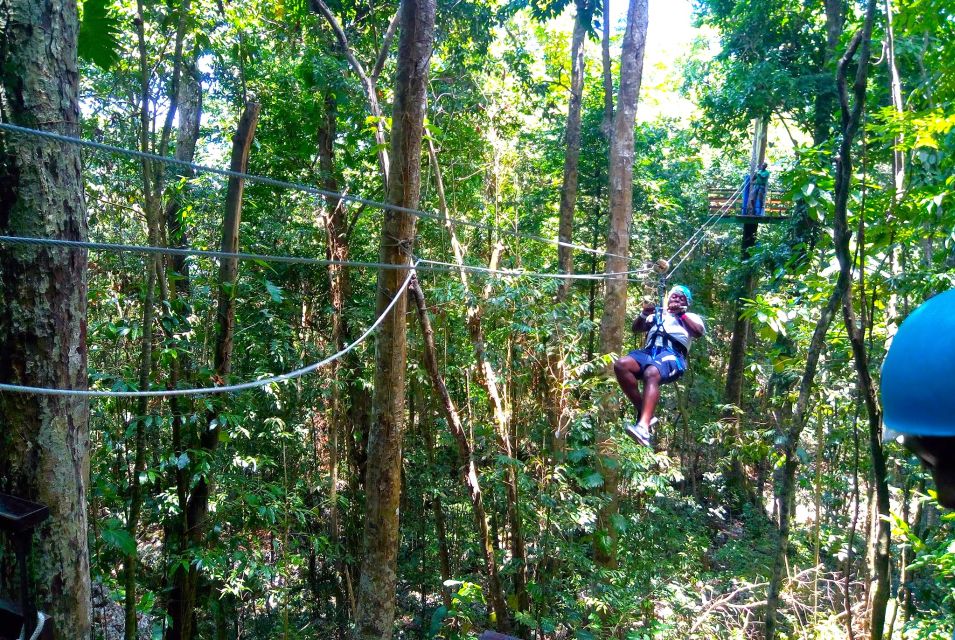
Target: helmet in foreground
{"points": [[918, 389]]}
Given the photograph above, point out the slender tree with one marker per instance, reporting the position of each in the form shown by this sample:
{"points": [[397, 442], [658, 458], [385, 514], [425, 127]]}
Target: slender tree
{"points": [[851, 120], [44, 440], [618, 238], [850, 124], [568, 192], [182, 600]]}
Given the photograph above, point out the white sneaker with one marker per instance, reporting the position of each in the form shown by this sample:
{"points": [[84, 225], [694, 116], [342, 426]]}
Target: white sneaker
{"points": [[640, 434]]}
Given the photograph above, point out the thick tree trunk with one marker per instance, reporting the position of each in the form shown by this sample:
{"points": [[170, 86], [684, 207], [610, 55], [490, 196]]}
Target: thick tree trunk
{"points": [[568, 193], [606, 124], [621, 178], [182, 599], [618, 248], [470, 474], [44, 440], [376, 593]]}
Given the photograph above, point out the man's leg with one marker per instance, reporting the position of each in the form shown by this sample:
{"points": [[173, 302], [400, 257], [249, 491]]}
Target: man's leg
{"points": [[651, 394], [627, 371]]}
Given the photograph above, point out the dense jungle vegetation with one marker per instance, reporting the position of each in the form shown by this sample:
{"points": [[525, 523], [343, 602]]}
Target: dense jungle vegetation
{"points": [[465, 468]]}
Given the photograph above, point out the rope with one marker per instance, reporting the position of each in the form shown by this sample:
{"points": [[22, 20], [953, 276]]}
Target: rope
{"points": [[718, 214], [437, 266], [701, 232], [448, 267], [298, 186], [47, 391]]}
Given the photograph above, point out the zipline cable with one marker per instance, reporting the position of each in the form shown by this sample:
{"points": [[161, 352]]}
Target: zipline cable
{"points": [[711, 220], [255, 384], [298, 186], [437, 266], [699, 235]]}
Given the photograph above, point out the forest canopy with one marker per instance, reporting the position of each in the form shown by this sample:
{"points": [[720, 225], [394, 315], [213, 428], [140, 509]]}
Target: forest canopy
{"points": [[311, 309]]}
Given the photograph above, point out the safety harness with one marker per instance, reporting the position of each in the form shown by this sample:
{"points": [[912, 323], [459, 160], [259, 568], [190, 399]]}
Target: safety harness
{"points": [[657, 337]]}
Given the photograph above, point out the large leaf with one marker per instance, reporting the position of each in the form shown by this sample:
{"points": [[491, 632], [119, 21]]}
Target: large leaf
{"points": [[99, 34]]}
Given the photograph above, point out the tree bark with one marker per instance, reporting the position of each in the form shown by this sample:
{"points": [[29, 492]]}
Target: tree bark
{"points": [[182, 599], [568, 193], [376, 593], [44, 440], [618, 248], [606, 124]]}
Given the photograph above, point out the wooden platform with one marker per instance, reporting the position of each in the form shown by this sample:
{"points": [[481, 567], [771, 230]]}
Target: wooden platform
{"points": [[774, 205], [752, 219]]}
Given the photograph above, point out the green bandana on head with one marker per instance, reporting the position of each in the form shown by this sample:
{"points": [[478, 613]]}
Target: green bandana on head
{"points": [[679, 288]]}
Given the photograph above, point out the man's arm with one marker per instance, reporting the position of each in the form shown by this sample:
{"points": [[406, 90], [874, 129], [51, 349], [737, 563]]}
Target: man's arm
{"points": [[641, 322], [692, 325]]}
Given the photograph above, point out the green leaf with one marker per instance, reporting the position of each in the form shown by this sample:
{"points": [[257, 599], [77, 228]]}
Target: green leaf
{"points": [[274, 291], [593, 480], [99, 34], [118, 538]]}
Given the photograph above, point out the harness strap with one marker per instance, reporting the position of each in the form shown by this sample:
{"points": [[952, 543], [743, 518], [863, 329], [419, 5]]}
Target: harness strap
{"points": [[660, 339]]}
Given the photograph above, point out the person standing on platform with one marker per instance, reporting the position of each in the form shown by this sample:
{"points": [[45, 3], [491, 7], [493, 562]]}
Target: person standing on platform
{"points": [[760, 183]]}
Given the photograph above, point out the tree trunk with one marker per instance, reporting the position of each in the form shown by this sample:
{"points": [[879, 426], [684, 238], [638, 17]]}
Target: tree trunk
{"points": [[606, 124], [621, 177], [839, 295], [618, 248], [568, 193], [736, 481], [851, 120], [176, 295], [139, 447], [182, 599], [470, 474], [376, 592], [44, 440]]}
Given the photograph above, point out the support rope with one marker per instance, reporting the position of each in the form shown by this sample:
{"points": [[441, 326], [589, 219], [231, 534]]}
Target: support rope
{"points": [[699, 235], [435, 265], [255, 384], [298, 186]]}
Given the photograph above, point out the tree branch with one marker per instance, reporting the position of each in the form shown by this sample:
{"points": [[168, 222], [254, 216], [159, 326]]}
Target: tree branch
{"points": [[385, 46]]}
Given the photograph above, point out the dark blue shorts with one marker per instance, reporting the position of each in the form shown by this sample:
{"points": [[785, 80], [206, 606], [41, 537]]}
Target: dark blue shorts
{"points": [[670, 364]]}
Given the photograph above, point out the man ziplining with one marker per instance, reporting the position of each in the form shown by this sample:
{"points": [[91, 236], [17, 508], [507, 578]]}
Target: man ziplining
{"points": [[661, 360]]}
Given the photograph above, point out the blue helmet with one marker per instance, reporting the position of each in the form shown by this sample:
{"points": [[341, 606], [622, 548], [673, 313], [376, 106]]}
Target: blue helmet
{"points": [[918, 389], [918, 375], [679, 288]]}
